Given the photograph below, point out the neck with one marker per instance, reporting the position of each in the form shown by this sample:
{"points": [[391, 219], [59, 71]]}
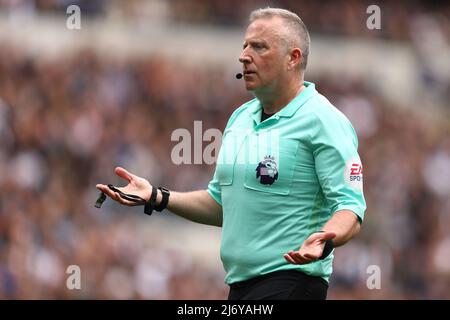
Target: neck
{"points": [[274, 101]]}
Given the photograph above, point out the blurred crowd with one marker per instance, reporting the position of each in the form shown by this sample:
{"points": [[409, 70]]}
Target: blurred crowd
{"points": [[65, 124], [330, 16], [89, 7], [336, 16], [423, 25]]}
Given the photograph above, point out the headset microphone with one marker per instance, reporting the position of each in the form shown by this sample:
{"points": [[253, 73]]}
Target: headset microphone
{"points": [[239, 75]]}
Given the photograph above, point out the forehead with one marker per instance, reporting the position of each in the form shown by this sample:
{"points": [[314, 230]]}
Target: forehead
{"points": [[267, 29]]}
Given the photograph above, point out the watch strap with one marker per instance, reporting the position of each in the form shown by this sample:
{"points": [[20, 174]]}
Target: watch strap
{"points": [[165, 199], [150, 204]]}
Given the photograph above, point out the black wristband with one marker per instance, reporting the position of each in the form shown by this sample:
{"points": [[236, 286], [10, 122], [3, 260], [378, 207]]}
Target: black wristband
{"points": [[329, 246], [150, 204], [165, 199]]}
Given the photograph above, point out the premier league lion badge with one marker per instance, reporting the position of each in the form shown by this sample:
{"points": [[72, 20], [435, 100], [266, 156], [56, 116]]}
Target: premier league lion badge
{"points": [[267, 170]]}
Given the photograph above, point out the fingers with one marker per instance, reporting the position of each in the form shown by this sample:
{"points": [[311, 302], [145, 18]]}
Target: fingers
{"points": [[295, 257], [103, 188], [124, 174], [328, 235], [114, 195], [311, 256], [311, 250], [320, 236], [289, 259]]}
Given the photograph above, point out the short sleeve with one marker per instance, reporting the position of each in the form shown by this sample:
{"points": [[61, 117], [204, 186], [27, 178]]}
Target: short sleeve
{"points": [[214, 190], [337, 162]]}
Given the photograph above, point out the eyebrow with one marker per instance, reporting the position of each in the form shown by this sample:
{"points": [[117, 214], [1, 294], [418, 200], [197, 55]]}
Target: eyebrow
{"points": [[257, 41]]}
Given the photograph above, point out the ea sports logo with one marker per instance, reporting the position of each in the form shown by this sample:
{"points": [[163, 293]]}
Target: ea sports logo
{"points": [[353, 173], [356, 172], [267, 170]]}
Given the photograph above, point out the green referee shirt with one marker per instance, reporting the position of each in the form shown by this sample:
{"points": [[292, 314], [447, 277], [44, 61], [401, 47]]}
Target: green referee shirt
{"points": [[282, 179]]}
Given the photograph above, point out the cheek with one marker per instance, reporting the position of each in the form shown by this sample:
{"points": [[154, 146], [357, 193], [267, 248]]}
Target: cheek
{"points": [[266, 68], [272, 66]]}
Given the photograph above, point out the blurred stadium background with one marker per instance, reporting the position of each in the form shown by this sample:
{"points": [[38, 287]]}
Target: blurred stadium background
{"points": [[74, 104]]}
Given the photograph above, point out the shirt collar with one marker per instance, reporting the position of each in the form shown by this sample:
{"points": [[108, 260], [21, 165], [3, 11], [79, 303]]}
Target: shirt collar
{"points": [[291, 107]]}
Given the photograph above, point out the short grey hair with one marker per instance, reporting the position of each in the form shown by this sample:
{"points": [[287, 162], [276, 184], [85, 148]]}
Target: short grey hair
{"points": [[299, 35]]}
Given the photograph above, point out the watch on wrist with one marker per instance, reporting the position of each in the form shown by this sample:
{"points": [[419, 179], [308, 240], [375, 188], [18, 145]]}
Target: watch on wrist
{"points": [[165, 199], [150, 204]]}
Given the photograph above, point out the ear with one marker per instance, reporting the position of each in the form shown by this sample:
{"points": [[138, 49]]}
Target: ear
{"points": [[295, 58]]}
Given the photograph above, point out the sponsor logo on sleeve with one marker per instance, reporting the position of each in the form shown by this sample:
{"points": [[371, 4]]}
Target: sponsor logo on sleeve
{"points": [[353, 174]]}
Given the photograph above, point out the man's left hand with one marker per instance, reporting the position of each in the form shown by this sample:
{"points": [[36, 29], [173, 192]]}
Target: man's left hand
{"points": [[311, 250]]}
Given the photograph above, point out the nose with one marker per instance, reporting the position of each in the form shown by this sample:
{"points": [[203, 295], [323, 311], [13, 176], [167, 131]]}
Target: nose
{"points": [[244, 57]]}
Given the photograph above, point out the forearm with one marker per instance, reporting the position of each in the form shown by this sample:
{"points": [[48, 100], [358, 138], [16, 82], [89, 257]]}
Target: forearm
{"points": [[197, 206], [345, 225]]}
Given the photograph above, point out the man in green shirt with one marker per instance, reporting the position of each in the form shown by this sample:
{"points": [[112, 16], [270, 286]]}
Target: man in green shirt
{"points": [[288, 182]]}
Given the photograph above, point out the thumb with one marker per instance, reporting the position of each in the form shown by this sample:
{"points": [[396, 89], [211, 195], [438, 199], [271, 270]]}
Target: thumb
{"points": [[328, 235], [124, 174]]}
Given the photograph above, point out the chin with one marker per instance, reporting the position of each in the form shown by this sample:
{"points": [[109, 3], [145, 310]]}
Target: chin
{"points": [[251, 86]]}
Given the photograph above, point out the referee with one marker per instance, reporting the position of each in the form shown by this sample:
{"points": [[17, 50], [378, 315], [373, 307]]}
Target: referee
{"points": [[287, 188]]}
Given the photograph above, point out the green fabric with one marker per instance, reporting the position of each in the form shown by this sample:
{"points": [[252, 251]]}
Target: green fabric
{"points": [[314, 149]]}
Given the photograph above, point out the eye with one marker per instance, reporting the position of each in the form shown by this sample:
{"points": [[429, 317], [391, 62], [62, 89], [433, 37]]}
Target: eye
{"points": [[258, 46]]}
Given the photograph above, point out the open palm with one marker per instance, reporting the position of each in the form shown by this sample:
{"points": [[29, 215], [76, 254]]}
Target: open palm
{"points": [[136, 185], [311, 249]]}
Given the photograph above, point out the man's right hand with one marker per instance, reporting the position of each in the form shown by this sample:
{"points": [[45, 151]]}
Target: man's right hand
{"points": [[136, 185]]}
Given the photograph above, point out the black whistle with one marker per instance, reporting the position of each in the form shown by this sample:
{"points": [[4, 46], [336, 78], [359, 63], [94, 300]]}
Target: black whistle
{"points": [[100, 200]]}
